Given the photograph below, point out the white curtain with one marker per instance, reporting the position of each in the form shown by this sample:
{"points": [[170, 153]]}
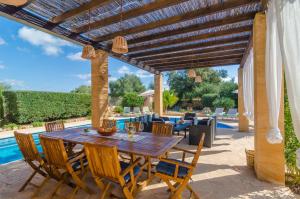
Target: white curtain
{"points": [[273, 74], [248, 87], [288, 18]]}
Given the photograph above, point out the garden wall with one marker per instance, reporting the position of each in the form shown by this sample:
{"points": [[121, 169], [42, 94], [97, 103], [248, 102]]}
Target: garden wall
{"points": [[28, 106]]}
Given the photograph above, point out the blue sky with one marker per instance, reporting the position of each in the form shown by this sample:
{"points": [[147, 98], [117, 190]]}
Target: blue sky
{"points": [[33, 60]]}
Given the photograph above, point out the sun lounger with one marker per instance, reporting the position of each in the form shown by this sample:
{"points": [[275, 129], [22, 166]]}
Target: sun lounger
{"points": [[219, 112], [231, 114]]}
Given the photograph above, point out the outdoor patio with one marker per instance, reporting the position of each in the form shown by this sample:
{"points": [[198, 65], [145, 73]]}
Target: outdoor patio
{"points": [[221, 173]]}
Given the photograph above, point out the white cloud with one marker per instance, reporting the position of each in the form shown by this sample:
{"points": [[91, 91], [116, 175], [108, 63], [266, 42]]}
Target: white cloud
{"points": [[124, 70], [143, 74], [84, 76], [75, 57], [228, 79], [2, 66], [112, 79], [49, 44], [2, 41], [14, 83]]}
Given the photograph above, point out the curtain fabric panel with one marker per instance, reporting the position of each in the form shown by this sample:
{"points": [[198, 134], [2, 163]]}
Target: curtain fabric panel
{"points": [[248, 87], [273, 74], [288, 15]]}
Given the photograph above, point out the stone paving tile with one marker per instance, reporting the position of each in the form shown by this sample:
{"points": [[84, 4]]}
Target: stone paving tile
{"points": [[221, 174]]}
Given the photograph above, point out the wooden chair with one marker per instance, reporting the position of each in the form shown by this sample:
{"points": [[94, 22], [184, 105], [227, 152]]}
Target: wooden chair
{"points": [[162, 129], [137, 125], [107, 123], [65, 167], [104, 164], [54, 126], [60, 126], [33, 158], [180, 172]]}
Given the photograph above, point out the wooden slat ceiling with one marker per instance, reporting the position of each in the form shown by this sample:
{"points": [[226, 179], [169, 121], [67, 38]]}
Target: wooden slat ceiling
{"points": [[162, 35]]}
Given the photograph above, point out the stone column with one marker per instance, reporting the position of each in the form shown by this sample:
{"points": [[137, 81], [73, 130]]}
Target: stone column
{"points": [[158, 92], [269, 158], [243, 121], [99, 77]]}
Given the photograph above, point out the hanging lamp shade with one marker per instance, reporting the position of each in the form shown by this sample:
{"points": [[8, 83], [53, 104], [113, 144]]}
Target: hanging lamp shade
{"points": [[198, 79], [119, 45], [14, 2], [191, 73], [88, 52]]}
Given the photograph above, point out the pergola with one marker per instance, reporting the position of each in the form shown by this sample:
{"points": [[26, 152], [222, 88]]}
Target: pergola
{"points": [[166, 35]]}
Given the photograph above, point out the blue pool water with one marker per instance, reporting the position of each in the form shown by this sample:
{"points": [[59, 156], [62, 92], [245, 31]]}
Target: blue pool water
{"points": [[9, 150]]}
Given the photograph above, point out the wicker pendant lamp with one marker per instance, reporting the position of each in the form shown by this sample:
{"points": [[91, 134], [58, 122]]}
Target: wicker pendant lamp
{"points": [[191, 73], [88, 51], [14, 2], [119, 45]]}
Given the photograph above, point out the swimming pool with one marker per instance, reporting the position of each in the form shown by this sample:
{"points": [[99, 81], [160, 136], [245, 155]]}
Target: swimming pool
{"points": [[9, 150]]}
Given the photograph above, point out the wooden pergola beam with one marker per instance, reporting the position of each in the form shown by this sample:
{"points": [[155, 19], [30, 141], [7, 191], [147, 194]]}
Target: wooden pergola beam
{"points": [[246, 54], [156, 5], [79, 10], [193, 28], [240, 39], [196, 56], [200, 65], [190, 53], [179, 18], [232, 31], [199, 60]]}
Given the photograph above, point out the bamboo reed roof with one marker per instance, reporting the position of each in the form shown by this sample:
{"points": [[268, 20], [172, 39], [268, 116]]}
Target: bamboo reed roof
{"points": [[162, 35]]}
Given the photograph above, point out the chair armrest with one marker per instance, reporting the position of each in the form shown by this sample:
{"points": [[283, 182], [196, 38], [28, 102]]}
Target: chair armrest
{"points": [[184, 150], [78, 157], [131, 167], [182, 164]]}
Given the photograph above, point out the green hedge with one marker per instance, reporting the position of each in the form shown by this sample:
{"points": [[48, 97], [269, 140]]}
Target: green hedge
{"points": [[28, 106]]}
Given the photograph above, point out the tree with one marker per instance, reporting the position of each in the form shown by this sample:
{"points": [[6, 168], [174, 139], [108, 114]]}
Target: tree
{"points": [[3, 87], [151, 86], [224, 102], [169, 99], [82, 89], [126, 84], [132, 100]]}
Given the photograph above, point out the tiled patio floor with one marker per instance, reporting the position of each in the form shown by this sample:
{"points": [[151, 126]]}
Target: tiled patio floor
{"points": [[221, 173]]}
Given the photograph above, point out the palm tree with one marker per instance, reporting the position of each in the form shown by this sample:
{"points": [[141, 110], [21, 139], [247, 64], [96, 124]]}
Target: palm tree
{"points": [[169, 99]]}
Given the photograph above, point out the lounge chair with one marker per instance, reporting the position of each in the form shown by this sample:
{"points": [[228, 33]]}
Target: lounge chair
{"points": [[127, 110], [136, 110], [231, 114], [219, 112]]}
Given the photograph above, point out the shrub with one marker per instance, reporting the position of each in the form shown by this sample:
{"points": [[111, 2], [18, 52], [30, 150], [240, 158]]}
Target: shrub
{"points": [[208, 99], [291, 143], [224, 102], [37, 124], [118, 109], [28, 106], [11, 126], [132, 100]]}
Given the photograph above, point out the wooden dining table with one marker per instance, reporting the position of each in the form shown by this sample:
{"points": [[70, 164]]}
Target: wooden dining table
{"points": [[147, 145]]}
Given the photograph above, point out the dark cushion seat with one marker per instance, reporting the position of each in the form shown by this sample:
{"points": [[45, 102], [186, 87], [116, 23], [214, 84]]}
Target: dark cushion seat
{"points": [[181, 127], [169, 169], [136, 170]]}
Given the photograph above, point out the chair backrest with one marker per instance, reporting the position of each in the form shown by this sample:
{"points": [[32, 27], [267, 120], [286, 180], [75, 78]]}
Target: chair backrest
{"points": [[27, 146], [54, 151], [232, 111], [137, 125], [136, 110], [162, 129], [219, 110], [103, 161], [126, 110], [107, 123], [54, 126], [199, 148]]}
